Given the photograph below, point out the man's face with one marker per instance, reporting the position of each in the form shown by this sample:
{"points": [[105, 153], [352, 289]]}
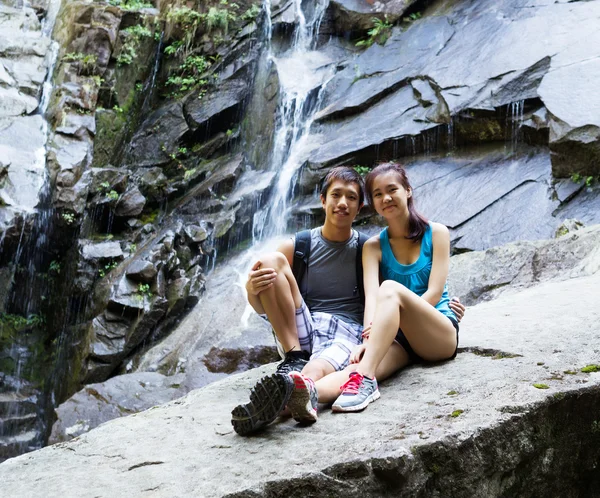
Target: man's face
{"points": [[341, 204]]}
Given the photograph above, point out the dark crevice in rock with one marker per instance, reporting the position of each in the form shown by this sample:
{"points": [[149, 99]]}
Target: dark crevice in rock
{"points": [[495, 354], [499, 199], [357, 109], [229, 360]]}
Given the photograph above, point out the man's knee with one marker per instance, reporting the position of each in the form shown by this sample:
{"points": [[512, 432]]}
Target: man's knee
{"points": [[275, 260], [317, 369]]}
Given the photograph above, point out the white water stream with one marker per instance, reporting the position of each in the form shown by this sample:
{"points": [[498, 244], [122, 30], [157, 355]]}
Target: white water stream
{"points": [[303, 73]]}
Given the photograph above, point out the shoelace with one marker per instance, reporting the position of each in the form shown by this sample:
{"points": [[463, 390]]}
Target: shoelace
{"points": [[352, 384]]}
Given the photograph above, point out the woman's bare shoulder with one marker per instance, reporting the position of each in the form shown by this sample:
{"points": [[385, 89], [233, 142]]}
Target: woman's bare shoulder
{"points": [[439, 228]]}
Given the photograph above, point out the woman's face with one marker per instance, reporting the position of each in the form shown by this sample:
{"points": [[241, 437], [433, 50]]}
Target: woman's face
{"points": [[390, 198]]}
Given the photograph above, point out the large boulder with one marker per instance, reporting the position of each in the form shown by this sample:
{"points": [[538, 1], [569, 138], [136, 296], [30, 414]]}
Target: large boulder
{"points": [[484, 275], [514, 414]]}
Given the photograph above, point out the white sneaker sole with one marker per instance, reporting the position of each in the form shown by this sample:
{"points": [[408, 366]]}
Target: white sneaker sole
{"points": [[356, 408]]}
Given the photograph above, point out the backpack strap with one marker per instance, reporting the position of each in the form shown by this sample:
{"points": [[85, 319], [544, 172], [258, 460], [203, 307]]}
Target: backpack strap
{"points": [[301, 255], [362, 238]]}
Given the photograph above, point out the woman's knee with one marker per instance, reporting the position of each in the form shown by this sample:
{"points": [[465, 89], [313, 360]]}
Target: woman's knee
{"points": [[391, 290]]}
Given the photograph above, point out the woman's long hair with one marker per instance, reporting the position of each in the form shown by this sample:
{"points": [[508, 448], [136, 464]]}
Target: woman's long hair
{"points": [[417, 223]]}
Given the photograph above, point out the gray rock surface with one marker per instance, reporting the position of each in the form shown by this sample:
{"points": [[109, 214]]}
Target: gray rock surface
{"points": [[467, 424], [117, 397]]}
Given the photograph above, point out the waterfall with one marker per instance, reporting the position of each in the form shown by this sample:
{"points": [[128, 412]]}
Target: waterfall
{"points": [[514, 120], [300, 99]]}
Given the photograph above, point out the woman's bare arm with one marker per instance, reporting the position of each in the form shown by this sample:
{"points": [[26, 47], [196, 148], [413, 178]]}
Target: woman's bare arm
{"points": [[440, 240]]}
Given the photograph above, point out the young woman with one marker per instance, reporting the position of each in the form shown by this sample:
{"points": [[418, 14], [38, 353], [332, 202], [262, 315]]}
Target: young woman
{"points": [[407, 318]]}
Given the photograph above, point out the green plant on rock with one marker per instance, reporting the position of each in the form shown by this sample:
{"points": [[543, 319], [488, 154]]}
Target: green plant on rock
{"points": [[189, 173], [113, 195], [189, 21], [107, 268], [117, 109], [17, 323], [54, 267], [188, 75], [219, 19], [412, 17], [133, 37], [379, 33], [86, 63], [252, 13], [68, 217], [591, 368], [175, 48], [144, 290], [131, 4], [362, 170]]}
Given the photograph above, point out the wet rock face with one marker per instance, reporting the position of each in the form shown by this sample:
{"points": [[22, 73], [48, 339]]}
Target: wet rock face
{"points": [[374, 101], [357, 15], [23, 68]]}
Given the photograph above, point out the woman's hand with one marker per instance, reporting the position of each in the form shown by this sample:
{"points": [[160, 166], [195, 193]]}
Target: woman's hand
{"points": [[358, 353], [457, 308], [260, 279]]}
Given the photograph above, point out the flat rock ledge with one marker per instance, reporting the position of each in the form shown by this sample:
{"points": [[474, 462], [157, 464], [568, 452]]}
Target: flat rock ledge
{"points": [[513, 415]]}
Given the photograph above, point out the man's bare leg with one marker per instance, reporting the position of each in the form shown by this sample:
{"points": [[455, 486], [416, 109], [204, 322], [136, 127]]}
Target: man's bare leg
{"points": [[281, 300]]}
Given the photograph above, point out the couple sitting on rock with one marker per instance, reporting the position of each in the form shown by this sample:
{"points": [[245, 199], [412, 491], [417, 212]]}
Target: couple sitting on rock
{"points": [[311, 291]]}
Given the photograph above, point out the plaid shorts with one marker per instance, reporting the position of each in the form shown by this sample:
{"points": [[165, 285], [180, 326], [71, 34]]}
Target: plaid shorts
{"points": [[325, 336]]}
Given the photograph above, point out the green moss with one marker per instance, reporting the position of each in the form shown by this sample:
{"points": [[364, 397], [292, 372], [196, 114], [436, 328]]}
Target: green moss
{"points": [[456, 413], [570, 372], [559, 396], [591, 368], [538, 385], [149, 217], [540, 363], [451, 393]]}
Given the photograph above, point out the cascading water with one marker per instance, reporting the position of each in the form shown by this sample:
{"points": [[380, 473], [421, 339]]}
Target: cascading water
{"points": [[299, 102], [300, 99], [21, 426], [514, 120]]}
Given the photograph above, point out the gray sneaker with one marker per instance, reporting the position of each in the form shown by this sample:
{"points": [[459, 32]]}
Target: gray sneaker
{"points": [[304, 399], [357, 393]]}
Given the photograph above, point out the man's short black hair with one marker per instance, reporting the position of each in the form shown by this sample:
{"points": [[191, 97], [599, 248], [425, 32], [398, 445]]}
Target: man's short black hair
{"points": [[347, 175]]}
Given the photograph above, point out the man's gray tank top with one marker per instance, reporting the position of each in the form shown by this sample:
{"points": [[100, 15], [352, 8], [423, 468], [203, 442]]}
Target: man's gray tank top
{"points": [[329, 284]]}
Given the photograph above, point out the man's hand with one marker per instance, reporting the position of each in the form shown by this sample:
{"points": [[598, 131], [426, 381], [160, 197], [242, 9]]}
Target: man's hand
{"points": [[260, 279], [357, 353], [457, 308]]}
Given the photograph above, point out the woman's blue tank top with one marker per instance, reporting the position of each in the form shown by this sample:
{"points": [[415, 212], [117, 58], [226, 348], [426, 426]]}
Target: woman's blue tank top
{"points": [[416, 276]]}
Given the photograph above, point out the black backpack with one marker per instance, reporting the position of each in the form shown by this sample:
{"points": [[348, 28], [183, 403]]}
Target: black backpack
{"points": [[302, 253]]}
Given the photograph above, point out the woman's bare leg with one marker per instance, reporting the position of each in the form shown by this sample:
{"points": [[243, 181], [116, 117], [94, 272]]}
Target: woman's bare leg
{"points": [[431, 335], [328, 387]]}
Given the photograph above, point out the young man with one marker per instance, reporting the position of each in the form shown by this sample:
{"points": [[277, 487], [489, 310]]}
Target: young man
{"points": [[317, 332]]}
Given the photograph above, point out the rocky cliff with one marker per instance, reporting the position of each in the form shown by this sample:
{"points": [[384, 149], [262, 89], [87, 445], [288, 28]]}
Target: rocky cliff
{"points": [[169, 130]]}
